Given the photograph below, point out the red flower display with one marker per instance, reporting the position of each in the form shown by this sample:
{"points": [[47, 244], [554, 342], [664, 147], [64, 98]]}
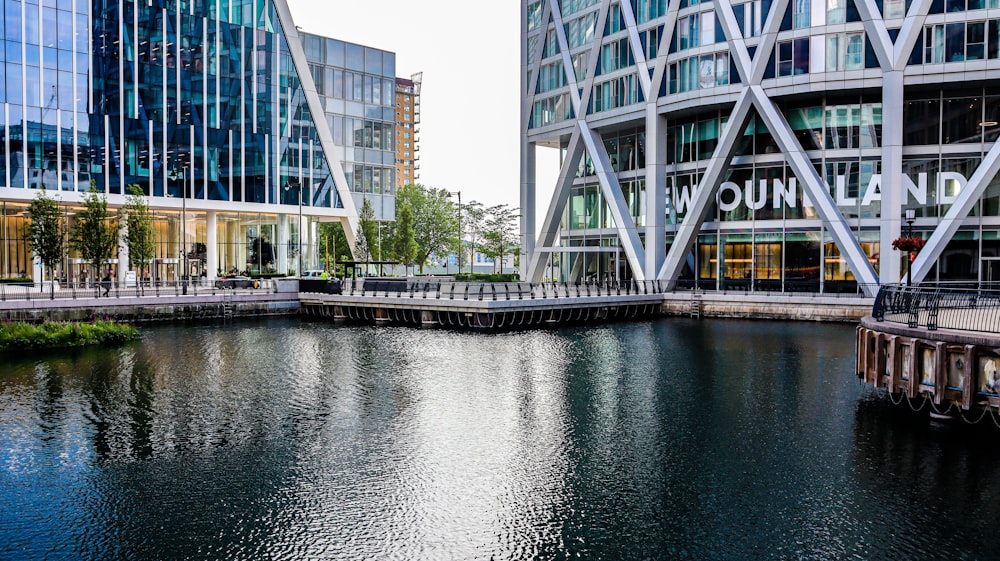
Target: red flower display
{"points": [[908, 245]]}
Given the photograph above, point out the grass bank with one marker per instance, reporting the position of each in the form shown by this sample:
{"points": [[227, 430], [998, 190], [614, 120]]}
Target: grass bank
{"points": [[22, 336]]}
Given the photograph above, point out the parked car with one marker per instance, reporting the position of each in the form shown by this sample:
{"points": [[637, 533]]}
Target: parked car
{"points": [[238, 281], [314, 274]]}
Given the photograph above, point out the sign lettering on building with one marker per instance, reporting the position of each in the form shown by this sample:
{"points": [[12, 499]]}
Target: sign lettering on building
{"points": [[780, 193]]}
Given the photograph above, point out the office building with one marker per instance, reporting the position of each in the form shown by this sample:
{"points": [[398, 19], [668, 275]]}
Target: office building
{"points": [[762, 145], [208, 106]]}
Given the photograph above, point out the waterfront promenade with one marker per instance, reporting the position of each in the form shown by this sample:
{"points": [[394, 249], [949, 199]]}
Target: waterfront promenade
{"points": [[935, 346], [429, 303]]}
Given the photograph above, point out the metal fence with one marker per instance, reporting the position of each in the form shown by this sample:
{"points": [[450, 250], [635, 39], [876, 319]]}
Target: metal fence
{"points": [[496, 291], [959, 306], [112, 289], [850, 289]]}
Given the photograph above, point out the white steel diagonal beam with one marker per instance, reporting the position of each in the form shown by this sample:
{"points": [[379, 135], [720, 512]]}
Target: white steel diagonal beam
{"points": [[316, 110], [592, 56], [816, 188], [637, 50], [876, 32], [534, 65], [913, 24], [966, 200], [703, 198], [574, 93], [737, 45], [628, 236], [553, 216], [769, 36]]}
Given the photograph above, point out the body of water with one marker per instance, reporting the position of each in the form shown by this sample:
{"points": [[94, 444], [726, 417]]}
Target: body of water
{"points": [[667, 439]]}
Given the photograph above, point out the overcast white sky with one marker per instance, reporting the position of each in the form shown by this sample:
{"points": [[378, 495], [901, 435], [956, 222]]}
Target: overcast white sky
{"points": [[469, 101]]}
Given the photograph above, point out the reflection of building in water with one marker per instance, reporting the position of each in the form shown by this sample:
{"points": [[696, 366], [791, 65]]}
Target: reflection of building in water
{"points": [[207, 107], [811, 185]]}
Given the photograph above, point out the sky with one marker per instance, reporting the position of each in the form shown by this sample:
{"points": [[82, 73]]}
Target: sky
{"points": [[469, 104]]}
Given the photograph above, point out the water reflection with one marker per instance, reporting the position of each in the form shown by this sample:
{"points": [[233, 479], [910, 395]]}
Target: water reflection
{"points": [[667, 439]]}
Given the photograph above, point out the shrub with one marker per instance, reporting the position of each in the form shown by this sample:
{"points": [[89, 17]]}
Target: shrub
{"points": [[21, 335]]}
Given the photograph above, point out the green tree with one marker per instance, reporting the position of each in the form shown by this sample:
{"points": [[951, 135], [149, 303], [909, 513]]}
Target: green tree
{"points": [[95, 234], [500, 233], [473, 217], [406, 243], [137, 221], [333, 245], [46, 233], [367, 232], [435, 223]]}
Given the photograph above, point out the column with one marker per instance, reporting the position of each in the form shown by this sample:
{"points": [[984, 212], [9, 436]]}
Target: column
{"points": [[211, 246], [528, 158], [656, 192], [892, 175], [281, 244]]}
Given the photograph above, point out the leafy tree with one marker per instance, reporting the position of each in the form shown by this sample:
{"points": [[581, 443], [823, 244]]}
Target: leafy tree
{"points": [[369, 230], [46, 233], [406, 243], [500, 233], [362, 241], [95, 233], [435, 223], [137, 221], [473, 217], [333, 244]]}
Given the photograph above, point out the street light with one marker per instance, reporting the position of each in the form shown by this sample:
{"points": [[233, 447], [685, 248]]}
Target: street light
{"points": [[461, 244], [184, 253], [292, 183], [910, 215]]}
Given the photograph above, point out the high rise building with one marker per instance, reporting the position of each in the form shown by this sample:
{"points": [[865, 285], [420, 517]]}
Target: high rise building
{"points": [[762, 145], [208, 107], [356, 84], [408, 129]]}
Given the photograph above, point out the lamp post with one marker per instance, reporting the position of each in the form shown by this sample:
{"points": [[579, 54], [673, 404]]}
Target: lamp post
{"points": [[910, 215], [184, 253], [290, 184], [461, 244]]}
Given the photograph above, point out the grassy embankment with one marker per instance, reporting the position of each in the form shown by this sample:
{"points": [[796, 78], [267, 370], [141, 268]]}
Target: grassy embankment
{"points": [[22, 336]]}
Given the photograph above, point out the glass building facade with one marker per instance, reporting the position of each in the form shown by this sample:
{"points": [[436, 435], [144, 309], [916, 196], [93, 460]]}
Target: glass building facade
{"points": [[197, 102], [356, 85], [824, 114]]}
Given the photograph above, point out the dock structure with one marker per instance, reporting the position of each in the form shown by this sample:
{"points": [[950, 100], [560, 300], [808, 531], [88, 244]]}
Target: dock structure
{"points": [[935, 347], [483, 306]]}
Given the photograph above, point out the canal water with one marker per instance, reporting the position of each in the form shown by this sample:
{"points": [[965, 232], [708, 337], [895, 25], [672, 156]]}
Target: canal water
{"points": [[666, 439]]}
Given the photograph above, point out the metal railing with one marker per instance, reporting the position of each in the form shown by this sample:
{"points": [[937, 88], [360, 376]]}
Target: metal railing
{"points": [[113, 289], [496, 291], [958, 306], [849, 289]]}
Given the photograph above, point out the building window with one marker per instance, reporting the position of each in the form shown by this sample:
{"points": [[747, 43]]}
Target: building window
{"points": [[845, 51], [800, 13], [748, 16], [793, 57]]}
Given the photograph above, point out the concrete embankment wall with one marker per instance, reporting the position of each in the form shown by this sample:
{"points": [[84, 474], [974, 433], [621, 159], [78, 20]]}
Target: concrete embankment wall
{"points": [[152, 309], [781, 307]]}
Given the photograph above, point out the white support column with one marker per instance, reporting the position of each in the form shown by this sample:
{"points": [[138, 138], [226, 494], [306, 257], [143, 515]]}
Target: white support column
{"points": [[282, 244], [892, 174], [656, 195], [528, 163], [123, 258], [211, 246]]}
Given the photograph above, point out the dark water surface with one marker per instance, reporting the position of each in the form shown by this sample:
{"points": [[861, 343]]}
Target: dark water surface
{"points": [[669, 439]]}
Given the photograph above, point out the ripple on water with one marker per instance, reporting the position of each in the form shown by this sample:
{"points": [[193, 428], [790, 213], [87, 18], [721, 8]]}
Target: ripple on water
{"points": [[670, 439]]}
